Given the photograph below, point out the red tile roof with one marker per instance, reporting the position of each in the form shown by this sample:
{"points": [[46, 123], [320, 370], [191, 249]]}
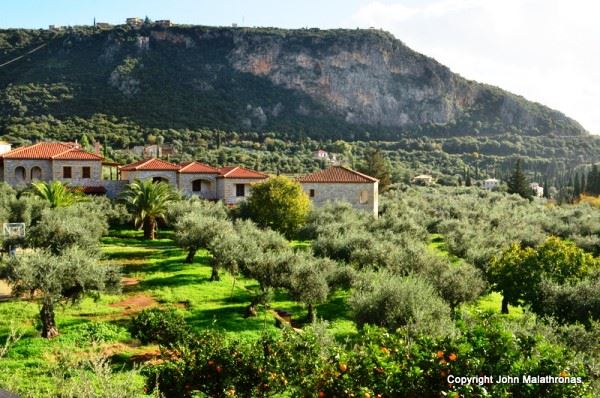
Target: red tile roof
{"points": [[197, 168], [337, 174], [150, 164], [240, 172], [50, 150]]}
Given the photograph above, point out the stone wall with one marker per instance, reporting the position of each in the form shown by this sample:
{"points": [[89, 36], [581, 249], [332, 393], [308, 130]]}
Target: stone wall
{"points": [[226, 189], [77, 166], [114, 187], [169, 175], [11, 165], [347, 192], [209, 182]]}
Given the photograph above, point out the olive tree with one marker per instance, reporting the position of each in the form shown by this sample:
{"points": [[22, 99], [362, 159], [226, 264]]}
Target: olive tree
{"points": [[384, 299], [53, 278]]}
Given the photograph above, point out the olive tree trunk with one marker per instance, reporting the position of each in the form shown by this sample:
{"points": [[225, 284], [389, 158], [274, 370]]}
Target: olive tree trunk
{"points": [[190, 256], [49, 329]]}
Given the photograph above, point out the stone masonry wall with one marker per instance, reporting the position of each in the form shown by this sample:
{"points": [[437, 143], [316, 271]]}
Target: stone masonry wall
{"points": [[347, 192], [10, 166], [169, 175], [77, 172], [226, 189], [185, 185]]}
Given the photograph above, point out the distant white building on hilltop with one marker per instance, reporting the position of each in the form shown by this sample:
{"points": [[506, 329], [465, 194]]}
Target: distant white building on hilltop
{"points": [[537, 189], [491, 183]]}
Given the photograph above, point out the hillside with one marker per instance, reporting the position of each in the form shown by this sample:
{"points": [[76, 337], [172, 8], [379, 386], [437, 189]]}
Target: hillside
{"points": [[349, 84]]}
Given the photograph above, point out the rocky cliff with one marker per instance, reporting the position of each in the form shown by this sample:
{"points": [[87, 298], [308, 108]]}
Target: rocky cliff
{"points": [[341, 83]]}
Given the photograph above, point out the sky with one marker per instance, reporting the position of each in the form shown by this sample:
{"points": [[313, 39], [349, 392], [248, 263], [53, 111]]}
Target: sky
{"points": [[545, 50]]}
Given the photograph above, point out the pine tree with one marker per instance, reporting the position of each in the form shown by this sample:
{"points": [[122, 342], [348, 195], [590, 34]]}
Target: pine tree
{"points": [[517, 183], [468, 182], [582, 183]]}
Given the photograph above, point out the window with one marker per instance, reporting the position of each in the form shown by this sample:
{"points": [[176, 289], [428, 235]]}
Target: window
{"points": [[364, 197], [85, 172], [159, 179], [311, 193], [67, 172], [197, 185], [240, 190]]}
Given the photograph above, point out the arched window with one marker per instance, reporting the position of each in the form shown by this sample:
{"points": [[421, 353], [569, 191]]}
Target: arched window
{"points": [[36, 173], [197, 186], [20, 174]]}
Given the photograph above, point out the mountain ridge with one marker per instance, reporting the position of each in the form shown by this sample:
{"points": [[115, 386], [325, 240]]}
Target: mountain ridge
{"points": [[353, 84]]}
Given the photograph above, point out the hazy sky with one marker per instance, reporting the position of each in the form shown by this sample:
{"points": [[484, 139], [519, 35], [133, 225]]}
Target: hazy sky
{"points": [[546, 50]]}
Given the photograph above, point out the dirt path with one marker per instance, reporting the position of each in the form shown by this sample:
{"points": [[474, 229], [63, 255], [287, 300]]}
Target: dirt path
{"points": [[134, 304]]}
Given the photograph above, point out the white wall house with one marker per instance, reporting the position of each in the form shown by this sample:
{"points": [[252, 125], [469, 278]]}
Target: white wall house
{"points": [[491, 183]]}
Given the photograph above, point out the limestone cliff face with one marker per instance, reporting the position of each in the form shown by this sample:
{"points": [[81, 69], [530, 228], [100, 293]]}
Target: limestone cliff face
{"points": [[377, 81]]}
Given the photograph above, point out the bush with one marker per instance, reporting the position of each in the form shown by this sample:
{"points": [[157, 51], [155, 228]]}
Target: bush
{"points": [[578, 302], [384, 299], [98, 332], [166, 327]]}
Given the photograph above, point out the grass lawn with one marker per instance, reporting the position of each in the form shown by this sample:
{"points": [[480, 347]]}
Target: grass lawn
{"points": [[155, 275]]}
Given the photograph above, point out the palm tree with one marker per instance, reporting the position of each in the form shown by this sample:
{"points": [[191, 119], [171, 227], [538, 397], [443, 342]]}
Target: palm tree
{"points": [[147, 201], [55, 192]]}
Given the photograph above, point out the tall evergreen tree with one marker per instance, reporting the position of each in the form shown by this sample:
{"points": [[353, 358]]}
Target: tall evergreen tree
{"points": [[546, 188], [377, 166], [468, 181], [517, 183], [576, 186], [582, 183]]}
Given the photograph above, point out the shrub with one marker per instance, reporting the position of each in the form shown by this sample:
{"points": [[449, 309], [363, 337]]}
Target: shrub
{"points": [[98, 332], [166, 327], [384, 299], [577, 302]]}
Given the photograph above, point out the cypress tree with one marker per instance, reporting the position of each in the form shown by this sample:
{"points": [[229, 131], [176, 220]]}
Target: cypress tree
{"points": [[517, 183], [468, 182], [576, 187], [546, 188]]}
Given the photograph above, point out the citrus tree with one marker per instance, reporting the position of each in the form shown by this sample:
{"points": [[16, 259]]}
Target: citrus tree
{"points": [[278, 203]]}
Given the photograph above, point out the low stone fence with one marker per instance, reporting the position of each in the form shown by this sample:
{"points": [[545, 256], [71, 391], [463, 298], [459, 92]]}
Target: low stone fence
{"points": [[114, 187]]}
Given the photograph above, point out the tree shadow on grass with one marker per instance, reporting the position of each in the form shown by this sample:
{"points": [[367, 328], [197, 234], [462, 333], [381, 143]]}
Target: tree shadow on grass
{"points": [[172, 281], [335, 308]]}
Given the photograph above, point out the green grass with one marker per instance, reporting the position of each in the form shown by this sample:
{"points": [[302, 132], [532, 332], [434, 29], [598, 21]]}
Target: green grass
{"points": [[438, 246], [164, 279]]}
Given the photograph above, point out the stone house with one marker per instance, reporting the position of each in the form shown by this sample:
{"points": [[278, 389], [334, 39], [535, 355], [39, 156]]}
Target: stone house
{"points": [[48, 161], [341, 183], [229, 184]]}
